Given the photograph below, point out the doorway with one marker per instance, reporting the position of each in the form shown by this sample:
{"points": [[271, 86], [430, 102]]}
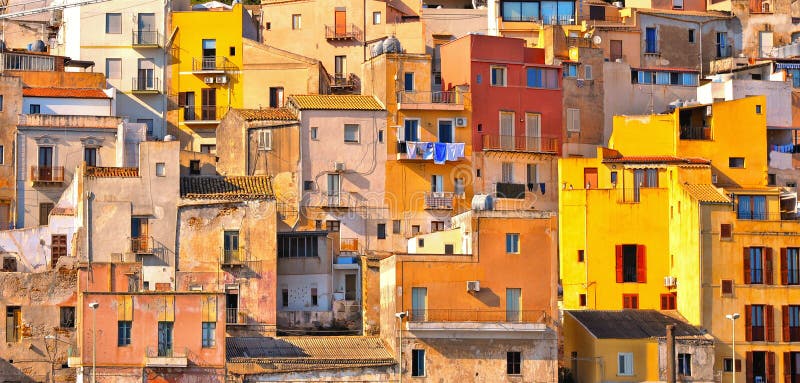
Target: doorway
{"points": [[590, 178], [350, 287]]}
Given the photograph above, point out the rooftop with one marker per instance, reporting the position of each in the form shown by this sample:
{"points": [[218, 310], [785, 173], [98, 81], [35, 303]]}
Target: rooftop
{"points": [[227, 188], [631, 324], [680, 12], [64, 93], [111, 172], [706, 193], [336, 102], [284, 114], [657, 160]]}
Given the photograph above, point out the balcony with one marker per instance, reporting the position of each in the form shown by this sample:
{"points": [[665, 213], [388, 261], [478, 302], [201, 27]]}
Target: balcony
{"points": [[767, 216], [333, 200], [580, 42], [27, 62], [205, 114], [439, 200], [724, 51], [146, 39], [47, 174], [442, 100], [145, 85], [159, 356], [232, 258], [552, 20], [341, 81], [695, 132], [510, 190], [211, 64], [142, 245], [425, 151], [235, 316], [492, 324], [524, 144], [343, 32]]}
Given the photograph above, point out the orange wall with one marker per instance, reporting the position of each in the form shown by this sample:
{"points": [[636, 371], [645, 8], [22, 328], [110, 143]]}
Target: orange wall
{"points": [[60, 79]]}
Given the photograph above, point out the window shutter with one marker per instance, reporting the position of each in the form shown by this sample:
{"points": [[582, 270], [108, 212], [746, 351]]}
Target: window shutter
{"points": [[748, 328], [664, 302], [641, 265], [619, 263], [768, 267], [770, 367], [785, 323], [749, 364], [181, 98], [784, 268], [787, 366], [746, 261], [769, 325]]}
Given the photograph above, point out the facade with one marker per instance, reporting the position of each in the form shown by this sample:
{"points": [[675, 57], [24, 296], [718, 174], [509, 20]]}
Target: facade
{"points": [[537, 23]]}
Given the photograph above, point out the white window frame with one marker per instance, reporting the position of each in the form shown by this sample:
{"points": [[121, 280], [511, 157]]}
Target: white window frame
{"points": [[265, 139], [376, 18], [626, 368], [314, 133], [573, 120], [358, 133], [438, 128], [504, 81], [297, 21], [514, 242], [587, 72]]}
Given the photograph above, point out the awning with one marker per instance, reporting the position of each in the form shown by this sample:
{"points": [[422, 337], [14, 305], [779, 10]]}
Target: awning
{"points": [[787, 65]]}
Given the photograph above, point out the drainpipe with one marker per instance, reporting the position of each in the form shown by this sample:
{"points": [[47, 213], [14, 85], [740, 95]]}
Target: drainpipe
{"points": [[670, 353]]}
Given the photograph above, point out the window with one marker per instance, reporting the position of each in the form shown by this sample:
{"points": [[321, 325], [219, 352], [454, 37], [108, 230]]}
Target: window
{"points": [[417, 362], [631, 266], [293, 245], [419, 303], [161, 170], [376, 18], [725, 231], [437, 226], [726, 287], [314, 131], [114, 23], [209, 334], [758, 109], [332, 226], [751, 207], [614, 178], [650, 45], [414, 229], [542, 78], [668, 302], [421, 242], [9, 264], [691, 36], [630, 301], [208, 149], [276, 97], [547, 12], [437, 183], [625, 363], [685, 364], [513, 304], [351, 133], [1, 103], [396, 226], [58, 248], [149, 122], [410, 130], [44, 212], [727, 365], [513, 363], [231, 51], [35, 109], [314, 296], [408, 82], [285, 297], [570, 70], [791, 323], [756, 316], [296, 21], [755, 260], [723, 50], [772, 179], [113, 68], [498, 74], [587, 72], [449, 248], [194, 167], [582, 300], [265, 139], [67, 317], [512, 243], [580, 255], [790, 266], [230, 239], [90, 156], [380, 136], [13, 324], [124, 332], [381, 231], [735, 162], [573, 120]]}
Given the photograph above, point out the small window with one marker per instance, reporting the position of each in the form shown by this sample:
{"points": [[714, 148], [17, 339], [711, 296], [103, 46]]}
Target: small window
{"points": [[420, 242], [285, 297], [161, 170], [265, 140], [396, 225], [9, 264], [44, 212], [772, 179], [573, 120], [67, 317], [376, 18], [685, 364], [194, 167], [625, 363], [478, 78], [449, 248], [513, 363], [668, 302], [587, 72], [580, 255], [268, 25], [90, 156], [725, 231], [630, 301], [35, 109], [351, 133], [691, 36], [296, 19], [124, 333], [381, 231], [758, 109], [408, 82], [415, 229], [736, 162], [332, 226], [208, 149], [314, 296], [308, 185], [582, 300], [437, 226], [478, 173], [58, 248], [231, 51], [480, 127], [318, 224], [113, 23], [113, 68], [1, 103], [417, 362], [726, 286], [614, 178], [498, 74], [512, 243], [314, 130], [209, 334], [727, 365], [570, 70], [380, 136]]}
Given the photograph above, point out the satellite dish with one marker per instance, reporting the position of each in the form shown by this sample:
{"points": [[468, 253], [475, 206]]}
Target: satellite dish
{"points": [[597, 40]]}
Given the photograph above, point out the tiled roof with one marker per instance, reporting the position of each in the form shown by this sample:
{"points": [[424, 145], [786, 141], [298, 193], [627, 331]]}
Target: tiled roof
{"points": [[228, 188], [64, 93], [657, 160], [706, 193], [266, 114], [111, 172], [258, 355], [336, 102], [631, 324]]}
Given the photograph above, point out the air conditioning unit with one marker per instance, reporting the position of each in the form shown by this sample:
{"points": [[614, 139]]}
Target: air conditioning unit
{"points": [[338, 166], [461, 121], [222, 79], [208, 79], [670, 281], [473, 286]]}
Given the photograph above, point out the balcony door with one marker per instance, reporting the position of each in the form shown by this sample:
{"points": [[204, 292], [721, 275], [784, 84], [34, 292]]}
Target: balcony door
{"points": [[209, 54], [45, 163], [350, 287], [146, 79], [232, 307], [340, 66], [165, 339], [507, 130], [419, 303], [146, 28], [446, 131], [208, 98], [333, 189], [340, 22], [139, 233], [533, 131], [513, 304]]}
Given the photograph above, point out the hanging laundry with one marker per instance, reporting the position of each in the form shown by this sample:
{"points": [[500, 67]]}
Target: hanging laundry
{"points": [[458, 150], [439, 152], [411, 150], [427, 150], [541, 187], [452, 152]]}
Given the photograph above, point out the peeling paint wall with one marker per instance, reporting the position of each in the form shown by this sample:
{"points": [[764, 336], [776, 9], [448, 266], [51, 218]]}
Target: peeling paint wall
{"points": [[360, 375], [702, 359], [11, 88]]}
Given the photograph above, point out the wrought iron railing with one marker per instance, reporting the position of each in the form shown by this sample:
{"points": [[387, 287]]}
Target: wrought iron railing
{"points": [[149, 38], [478, 315], [145, 84], [47, 173], [343, 32], [439, 200], [212, 63], [520, 143], [441, 97], [142, 245]]}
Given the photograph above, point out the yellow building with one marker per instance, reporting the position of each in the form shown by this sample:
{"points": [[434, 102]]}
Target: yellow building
{"points": [[205, 71], [421, 192]]}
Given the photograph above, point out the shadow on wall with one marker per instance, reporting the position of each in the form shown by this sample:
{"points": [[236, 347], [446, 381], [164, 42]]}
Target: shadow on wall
{"points": [[10, 373], [487, 297]]}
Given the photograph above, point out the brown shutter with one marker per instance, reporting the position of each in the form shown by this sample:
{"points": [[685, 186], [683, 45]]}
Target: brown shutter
{"points": [[664, 302], [738, 365], [748, 365], [748, 327], [641, 264], [787, 366], [182, 98], [619, 263], [769, 325], [768, 267], [784, 268], [785, 322], [746, 261], [770, 367]]}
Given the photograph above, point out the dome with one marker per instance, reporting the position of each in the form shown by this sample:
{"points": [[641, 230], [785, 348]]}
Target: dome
{"points": [[392, 45]]}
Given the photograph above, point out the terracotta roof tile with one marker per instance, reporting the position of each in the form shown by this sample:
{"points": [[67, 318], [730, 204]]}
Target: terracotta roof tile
{"points": [[657, 160], [111, 172], [227, 188], [64, 93], [336, 102], [284, 114], [706, 193]]}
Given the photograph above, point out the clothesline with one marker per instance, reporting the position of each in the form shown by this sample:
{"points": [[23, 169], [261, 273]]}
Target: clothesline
{"points": [[439, 152]]}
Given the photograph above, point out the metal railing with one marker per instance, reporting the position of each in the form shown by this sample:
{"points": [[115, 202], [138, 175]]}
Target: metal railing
{"points": [[695, 133], [22, 61], [439, 200], [552, 20], [340, 199], [142, 245], [203, 113], [47, 173], [145, 84], [520, 143], [348, 244], [478, 315], [148, 38], [232, 257], [166, 352], [343, 80], [211, 63], [767, 216], [607, 18], [580, 42], [635, 195], [441, 97], [347, 32], [234, 316]]}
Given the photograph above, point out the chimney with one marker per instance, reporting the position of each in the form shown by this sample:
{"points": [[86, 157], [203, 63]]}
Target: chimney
{"points": [[670, 353]]}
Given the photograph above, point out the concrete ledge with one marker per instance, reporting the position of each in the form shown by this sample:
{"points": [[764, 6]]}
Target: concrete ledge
{"points": [[175, 361], [508, 330]]}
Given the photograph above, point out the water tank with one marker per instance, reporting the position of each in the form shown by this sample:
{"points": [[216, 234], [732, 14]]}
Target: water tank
{"points": [[392, 45], [169, 137], [482, 202], [39, 46], [377, 49]]}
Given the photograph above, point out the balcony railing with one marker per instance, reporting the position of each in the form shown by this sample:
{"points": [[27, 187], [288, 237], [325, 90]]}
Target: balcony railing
{"points": [[142, 245], [343, 80], [165, 356], [441, 97], [348, 244], [47, 173], [477, 315], [22, 61], [552, 20], [211, 64], [346, 32], [439, 200], [580, 42], [145, 84], [767, 216], [200, 114], [232, 257], [695, 133], [520, 143], [340, 199], [235, 316], [145, 38]]}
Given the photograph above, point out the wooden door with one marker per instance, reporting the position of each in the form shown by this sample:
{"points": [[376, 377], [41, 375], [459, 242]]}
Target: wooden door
{"points": [[340, 22], [590, 178], [616, 49], [5, 215]]}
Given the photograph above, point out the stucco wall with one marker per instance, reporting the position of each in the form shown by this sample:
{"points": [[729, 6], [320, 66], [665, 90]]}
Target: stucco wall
{"points": [[69, 106]]}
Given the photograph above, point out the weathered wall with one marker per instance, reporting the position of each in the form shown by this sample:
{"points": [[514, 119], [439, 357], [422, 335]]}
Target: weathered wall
{"points": [[702, 354], [11, 88], [585, 95], [360, 375], [36, 79]]}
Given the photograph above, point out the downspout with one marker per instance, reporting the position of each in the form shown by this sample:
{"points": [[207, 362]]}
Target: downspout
{"points": [[364, 21]]}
